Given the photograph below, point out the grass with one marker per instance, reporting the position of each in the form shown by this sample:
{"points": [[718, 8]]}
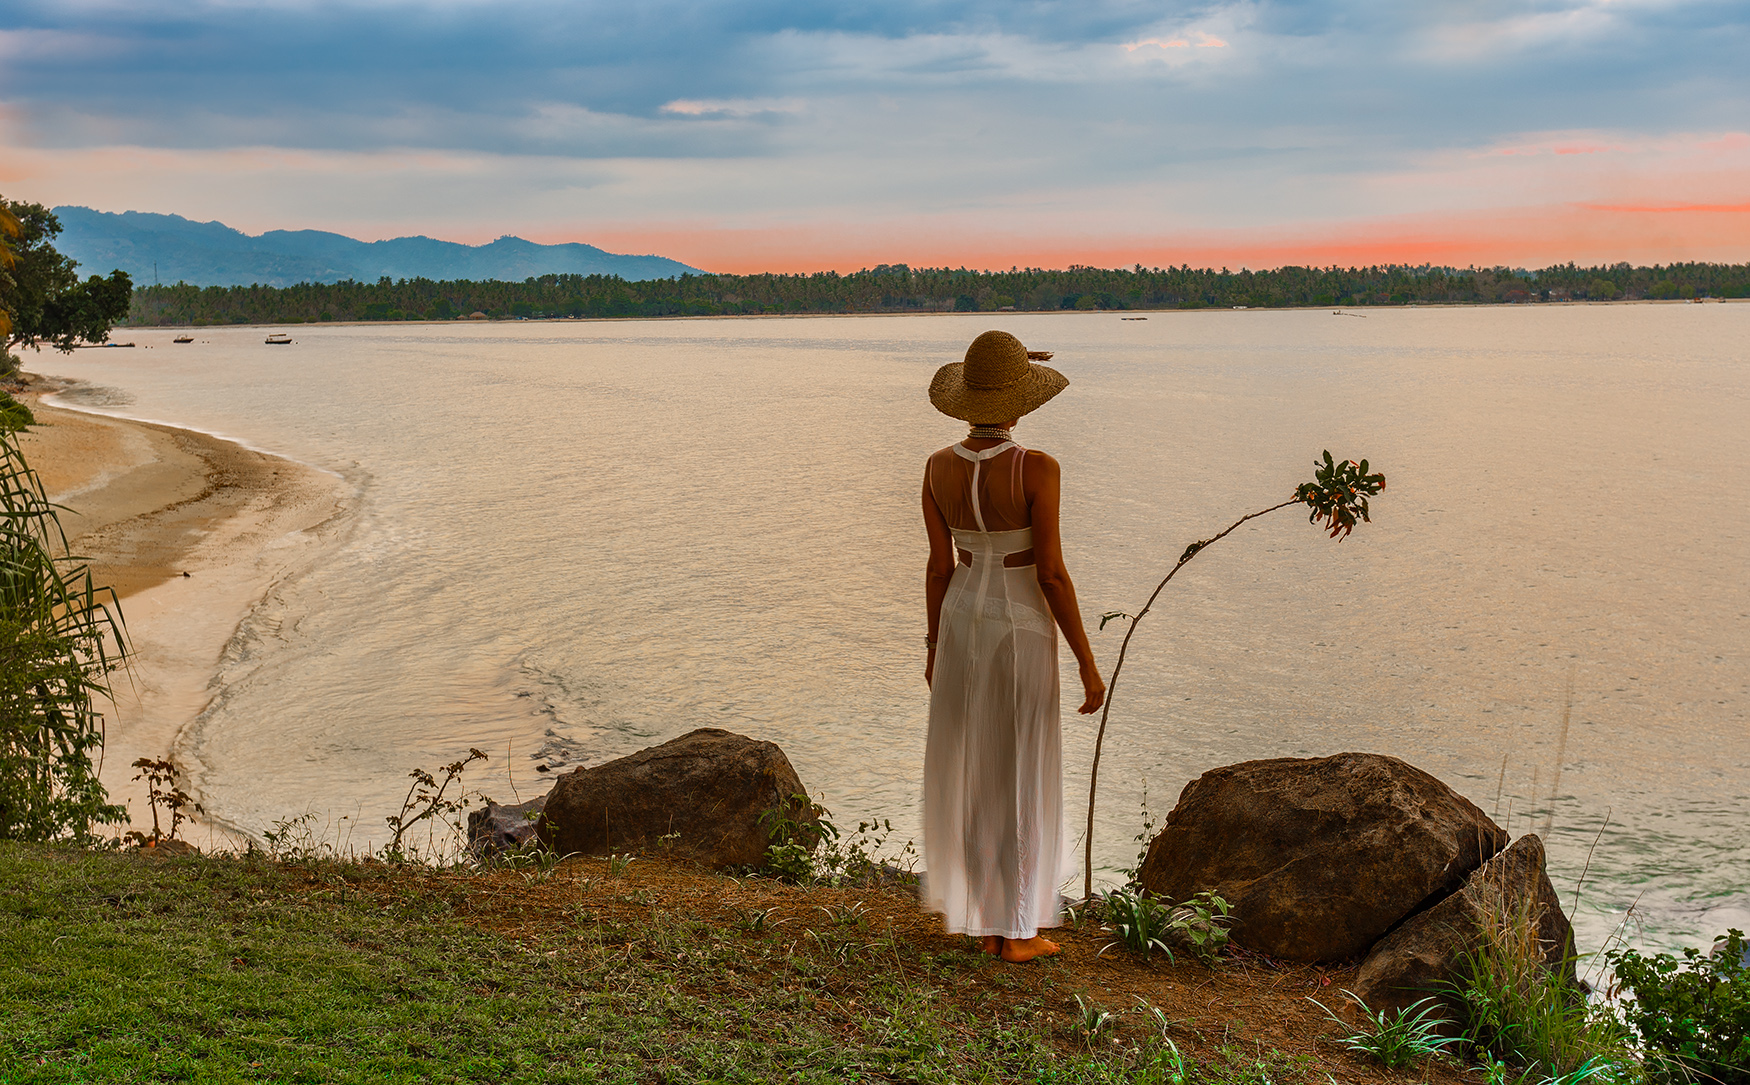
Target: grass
{"points": [[1404, 1038], [1524, 1014], [118, 967], [1140, 922]]}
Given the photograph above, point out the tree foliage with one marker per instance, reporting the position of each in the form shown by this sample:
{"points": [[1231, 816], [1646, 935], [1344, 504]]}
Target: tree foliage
{"points": [[42, 300], [10, 231], [897, 288], [60, 638], [1693, 1013]]}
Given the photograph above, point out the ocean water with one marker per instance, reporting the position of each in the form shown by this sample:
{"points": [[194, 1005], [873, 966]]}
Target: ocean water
{"points": [[575, 539]]}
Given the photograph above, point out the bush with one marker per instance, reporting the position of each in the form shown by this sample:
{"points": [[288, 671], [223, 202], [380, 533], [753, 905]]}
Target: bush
{"points": [[1145, 923], [13, 414], [55, 631], [1693, 1015], [806, 847]]}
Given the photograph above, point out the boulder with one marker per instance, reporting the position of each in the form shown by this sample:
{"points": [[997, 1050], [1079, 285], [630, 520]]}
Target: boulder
{"points": [[1510, 897], [495, 828], [1319, 857], [700, 796]]}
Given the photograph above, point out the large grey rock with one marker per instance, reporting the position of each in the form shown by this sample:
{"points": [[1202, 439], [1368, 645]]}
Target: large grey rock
{"points": [[1509, 899], [706, 791], [1319, 857], [494, 828]]}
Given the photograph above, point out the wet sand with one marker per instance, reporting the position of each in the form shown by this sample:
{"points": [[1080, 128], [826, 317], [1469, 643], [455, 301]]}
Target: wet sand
{"points": [[191, 531]]}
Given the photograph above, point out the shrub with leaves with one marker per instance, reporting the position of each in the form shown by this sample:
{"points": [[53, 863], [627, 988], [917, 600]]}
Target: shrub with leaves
{"points": [[1145, 924], [1598, 1070], [807, 846], [1693, 1015], [61, 636], [1202, 922], [163, 789], [13, 414], [426, 801]]}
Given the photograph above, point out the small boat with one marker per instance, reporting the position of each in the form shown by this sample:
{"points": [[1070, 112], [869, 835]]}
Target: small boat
{"points": [[279, 339], [183, 339]]}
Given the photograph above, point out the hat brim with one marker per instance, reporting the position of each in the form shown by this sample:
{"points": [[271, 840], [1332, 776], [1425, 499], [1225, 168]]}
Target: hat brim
{"points": [[950, 394]]}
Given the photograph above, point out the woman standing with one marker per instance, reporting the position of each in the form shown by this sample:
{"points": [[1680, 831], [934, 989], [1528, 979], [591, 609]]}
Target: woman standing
{"points": [[997, 594]]}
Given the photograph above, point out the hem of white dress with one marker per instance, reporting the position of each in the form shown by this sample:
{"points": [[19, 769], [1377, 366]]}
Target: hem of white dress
{"points": [[987, 932]]}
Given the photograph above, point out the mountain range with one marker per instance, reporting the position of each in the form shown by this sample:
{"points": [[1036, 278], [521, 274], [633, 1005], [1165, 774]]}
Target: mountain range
{"points": [[213, 254]]}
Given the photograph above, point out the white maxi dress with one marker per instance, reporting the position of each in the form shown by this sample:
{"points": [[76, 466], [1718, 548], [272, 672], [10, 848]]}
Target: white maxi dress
{"points": [[993, 788]]}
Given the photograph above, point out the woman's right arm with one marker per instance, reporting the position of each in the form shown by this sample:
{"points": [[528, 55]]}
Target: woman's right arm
{"points": [[937, 573]]}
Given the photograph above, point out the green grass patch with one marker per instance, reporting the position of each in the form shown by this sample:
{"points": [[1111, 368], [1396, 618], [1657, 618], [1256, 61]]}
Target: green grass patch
{"points": [[115, 967]]}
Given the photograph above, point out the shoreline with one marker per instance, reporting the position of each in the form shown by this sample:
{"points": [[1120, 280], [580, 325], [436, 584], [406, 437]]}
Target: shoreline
{"points": [[192, 531], [1567, 304]]}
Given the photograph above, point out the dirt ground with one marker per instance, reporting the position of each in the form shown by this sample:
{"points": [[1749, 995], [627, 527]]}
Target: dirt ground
{"points": [[1249, 1004]]}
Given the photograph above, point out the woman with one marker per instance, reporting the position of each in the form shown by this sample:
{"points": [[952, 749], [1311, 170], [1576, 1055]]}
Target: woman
{"points": [[997, 594]]}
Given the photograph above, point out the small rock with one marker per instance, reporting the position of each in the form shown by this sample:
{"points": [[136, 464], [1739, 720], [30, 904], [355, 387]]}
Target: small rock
{"points": [[496, 828]]}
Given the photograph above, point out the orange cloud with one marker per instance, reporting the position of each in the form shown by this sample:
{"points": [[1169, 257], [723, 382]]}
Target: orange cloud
{"points": [[1731, 141], [1523, 237], [1204, 41], [1670, 208]]}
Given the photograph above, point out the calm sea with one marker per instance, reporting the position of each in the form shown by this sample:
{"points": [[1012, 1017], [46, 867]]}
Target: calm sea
{"points": [[574, 540]]}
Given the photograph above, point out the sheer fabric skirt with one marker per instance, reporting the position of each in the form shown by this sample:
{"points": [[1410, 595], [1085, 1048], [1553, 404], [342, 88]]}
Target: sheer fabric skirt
{"points": [[993, 787]]}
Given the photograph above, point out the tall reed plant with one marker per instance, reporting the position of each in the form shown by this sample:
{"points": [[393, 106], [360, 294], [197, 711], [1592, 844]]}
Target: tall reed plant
{"points": [[1337, 496], [1521, 1012], [61, 637]]}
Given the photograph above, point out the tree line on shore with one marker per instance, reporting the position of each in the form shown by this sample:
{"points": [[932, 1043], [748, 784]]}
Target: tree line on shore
{"points": [[897, 288]]}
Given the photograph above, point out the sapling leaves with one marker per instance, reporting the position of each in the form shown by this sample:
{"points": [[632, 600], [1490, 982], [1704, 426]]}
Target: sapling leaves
{"points": [[1337, 495], [1114, 615]]}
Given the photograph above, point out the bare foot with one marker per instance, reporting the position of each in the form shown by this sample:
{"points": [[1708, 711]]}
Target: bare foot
{"points": [[1018, 951], [991, 944]]}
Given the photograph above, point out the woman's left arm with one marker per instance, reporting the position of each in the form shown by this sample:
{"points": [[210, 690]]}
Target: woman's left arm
{"points": [[1044, 486]]}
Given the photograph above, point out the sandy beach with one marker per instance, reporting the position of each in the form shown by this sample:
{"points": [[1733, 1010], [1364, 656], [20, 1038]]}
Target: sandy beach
{"points": [[191, 531]]}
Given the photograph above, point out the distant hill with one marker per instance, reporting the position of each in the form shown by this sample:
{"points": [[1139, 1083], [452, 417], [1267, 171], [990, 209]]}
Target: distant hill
{"points": [[213, 254]]}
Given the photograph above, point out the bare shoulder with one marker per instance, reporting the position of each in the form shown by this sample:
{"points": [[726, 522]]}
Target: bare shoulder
{"points": [[1043, 461]]}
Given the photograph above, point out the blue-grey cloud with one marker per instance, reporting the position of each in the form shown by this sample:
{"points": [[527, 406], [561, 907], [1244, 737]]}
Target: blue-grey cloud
{"points": [[1247, 110], [482, 76]]}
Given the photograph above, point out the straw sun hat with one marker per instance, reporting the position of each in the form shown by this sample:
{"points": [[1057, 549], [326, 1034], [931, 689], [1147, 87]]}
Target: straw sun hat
{"points": [[998, 381]]}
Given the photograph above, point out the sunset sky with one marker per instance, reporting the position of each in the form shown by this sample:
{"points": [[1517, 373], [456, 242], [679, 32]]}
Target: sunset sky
{"points": [[785, 136]]}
